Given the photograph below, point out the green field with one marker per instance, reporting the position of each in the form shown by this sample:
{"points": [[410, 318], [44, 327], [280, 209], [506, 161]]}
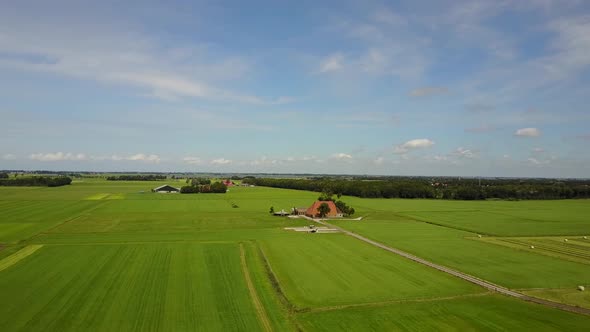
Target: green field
{"points": [[108, 256]]}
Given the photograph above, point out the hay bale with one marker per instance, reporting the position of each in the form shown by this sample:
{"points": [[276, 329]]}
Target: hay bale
{"points": [[532, 247], [565, 240], [585, 238], [478, 235], [581, 288]]}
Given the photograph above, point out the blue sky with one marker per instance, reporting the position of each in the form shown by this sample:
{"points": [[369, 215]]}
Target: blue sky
{"points": [[475, 88]]}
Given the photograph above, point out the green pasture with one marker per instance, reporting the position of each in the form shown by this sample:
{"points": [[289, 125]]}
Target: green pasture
{"points": [[465, 252], [112, 256], [340, 270], [486, 313]]}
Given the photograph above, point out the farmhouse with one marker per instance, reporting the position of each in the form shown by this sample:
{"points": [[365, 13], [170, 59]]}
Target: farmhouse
{"points": [[166, 189], [313, 211], [228, 183]]}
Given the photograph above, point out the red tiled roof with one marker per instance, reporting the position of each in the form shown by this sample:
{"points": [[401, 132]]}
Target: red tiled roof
{"points": [[313, 211]]}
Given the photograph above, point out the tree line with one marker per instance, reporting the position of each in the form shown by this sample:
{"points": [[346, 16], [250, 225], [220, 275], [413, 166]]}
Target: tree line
{"points": [[140, 177], [438, 188], [216, 187], [36, 181]]}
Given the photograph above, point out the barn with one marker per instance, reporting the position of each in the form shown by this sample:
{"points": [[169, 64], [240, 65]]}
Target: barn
{"points": [[313, 211], [167, 189]]}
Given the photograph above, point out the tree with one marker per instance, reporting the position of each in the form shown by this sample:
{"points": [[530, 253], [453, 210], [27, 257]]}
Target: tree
{"points": [[272, 210], [189, 190], [218, 187], [3, 175], [323, 210]]}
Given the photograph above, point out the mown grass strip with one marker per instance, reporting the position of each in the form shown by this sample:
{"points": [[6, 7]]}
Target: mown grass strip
{"points": [[18, 256], [386, 303], [260, 312]]}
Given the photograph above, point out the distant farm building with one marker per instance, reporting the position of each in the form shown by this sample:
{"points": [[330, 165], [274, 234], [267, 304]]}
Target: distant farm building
{"points": [[166, 189], [281, 213], [299, 211], [228, 183], [313, 211]]}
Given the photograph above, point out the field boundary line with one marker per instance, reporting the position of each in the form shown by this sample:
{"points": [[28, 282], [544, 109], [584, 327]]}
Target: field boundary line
{"points": [[385, 303], [136, 242], [291, 309], [260, 311], [80, 214], [483, 283], [18, 256], [417, 219]]}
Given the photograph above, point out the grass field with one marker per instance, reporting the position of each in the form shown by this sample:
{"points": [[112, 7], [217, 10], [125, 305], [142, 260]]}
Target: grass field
{"points": [[101, 255]]}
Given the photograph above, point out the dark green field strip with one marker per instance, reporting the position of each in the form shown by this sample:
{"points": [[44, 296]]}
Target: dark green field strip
{"points": [[485, 313], [132, 287]]}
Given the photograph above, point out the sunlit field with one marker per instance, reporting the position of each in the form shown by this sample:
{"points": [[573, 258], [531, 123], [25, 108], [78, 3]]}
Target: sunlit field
{"points": [[99, 255]]}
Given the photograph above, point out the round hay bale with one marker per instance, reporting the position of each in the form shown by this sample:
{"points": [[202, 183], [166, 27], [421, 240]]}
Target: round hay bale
{"points": [[585, 238], [478, 235], [564, 240], [581, 288], [532, 247]]}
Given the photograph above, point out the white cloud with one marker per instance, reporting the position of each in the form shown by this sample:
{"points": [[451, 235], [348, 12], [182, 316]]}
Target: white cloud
{"points": [[440, 158], [536, 161], [58, 156], [461, 152], [121, 54], [379, 161], [192, 160], [152, 158], [9, 156], [61, 156], [266, 161], [528, 132], [341, 156], [221, 161], [419, 143], [428, 91], [538, 150], [332, 63]]}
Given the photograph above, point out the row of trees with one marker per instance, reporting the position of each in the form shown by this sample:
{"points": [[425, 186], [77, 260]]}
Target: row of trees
{"points": [[139, 177], [198, 181], [4, 175], [216, 187], [441, 188], [36, 181]]}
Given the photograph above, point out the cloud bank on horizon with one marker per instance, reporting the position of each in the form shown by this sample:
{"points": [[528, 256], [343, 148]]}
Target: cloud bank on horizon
{"points": [[452, 87]]}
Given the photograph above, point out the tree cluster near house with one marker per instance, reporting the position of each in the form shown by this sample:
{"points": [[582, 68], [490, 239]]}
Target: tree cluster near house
{"points": [[327, 195], [440, 188], [139, 177], [198, 181], [216, 187], [36, 181]]}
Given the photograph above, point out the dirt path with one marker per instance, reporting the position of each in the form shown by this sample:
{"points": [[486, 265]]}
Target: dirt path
{"points": [[260, 312], [464, 276]]}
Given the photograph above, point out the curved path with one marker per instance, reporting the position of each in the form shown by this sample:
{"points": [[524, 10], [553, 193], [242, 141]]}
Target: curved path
{"points": [[464, 276]]}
